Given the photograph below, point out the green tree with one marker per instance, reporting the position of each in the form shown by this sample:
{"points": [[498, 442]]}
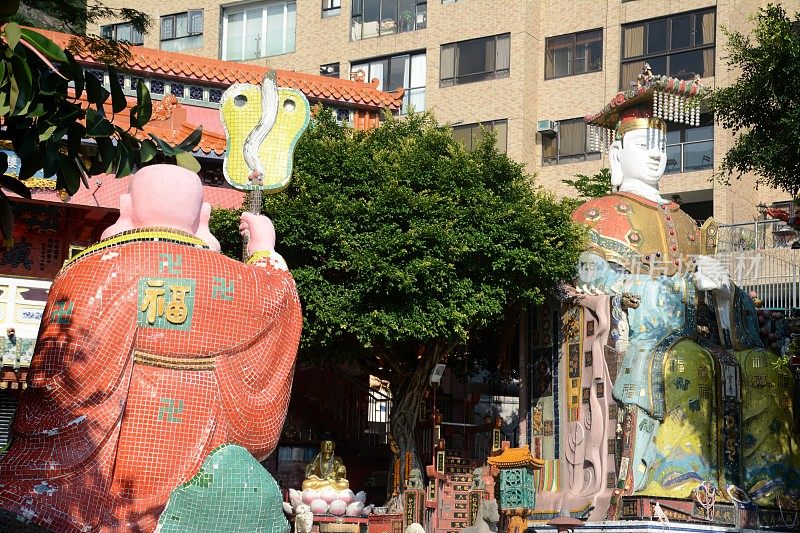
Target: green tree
{"points": [[763, 105], [404, 245], [42, 116], [593, 186]]}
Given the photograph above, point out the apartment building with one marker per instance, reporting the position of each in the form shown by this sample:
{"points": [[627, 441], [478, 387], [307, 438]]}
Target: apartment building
{"points": [[528, 70]]}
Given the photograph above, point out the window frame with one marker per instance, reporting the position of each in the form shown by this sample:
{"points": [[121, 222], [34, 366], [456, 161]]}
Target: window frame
{"points": [[331, 8], [335, 70], [189, 26], [357, 65], [263, 45], [668, 52], [558, 158], [113, 29], [706, 120], [357, 10], [494, 72], [573, 47], [489, 124]]}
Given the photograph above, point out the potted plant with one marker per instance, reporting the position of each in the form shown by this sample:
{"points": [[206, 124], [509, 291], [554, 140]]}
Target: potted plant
{"points": [[407, 20]]}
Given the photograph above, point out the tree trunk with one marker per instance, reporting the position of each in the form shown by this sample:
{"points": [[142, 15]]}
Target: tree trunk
{"points": [[407, 397]]}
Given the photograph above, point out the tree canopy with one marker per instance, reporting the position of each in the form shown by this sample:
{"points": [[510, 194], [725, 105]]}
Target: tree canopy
{"points": [[593, 186], [404, 245], [763, 105]]}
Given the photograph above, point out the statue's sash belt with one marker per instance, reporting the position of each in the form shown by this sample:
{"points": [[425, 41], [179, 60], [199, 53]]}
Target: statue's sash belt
{"points": [[173, 363]]}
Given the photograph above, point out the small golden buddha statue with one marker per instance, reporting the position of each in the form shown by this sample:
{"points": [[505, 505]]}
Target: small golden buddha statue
{"points": [[326, 470]]}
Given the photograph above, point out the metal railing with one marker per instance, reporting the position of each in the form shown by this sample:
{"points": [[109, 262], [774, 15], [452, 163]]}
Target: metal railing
{"points": [[756, 235], [690, 155], [774, 275], [759, 258]]}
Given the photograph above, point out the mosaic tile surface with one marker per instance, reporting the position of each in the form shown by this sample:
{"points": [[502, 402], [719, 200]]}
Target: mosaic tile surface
{"points": [[153, 353], [232, 492]]}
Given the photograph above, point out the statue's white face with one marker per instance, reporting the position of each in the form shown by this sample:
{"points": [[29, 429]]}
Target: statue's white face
{"points": [[642, 156]]}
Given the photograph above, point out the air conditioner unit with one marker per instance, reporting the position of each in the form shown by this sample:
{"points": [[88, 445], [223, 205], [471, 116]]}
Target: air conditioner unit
{"points": [[547, 127]]}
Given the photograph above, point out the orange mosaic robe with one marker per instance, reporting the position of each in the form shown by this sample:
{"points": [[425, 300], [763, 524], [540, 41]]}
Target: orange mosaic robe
{"points": [[151, 354]]}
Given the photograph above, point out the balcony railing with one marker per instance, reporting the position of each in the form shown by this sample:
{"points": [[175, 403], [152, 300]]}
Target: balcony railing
{"points": [[759, 258], [756, 235], [688, 156]]}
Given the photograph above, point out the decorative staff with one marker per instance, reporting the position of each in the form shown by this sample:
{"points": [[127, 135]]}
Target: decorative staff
{"points": [[262, 126]]}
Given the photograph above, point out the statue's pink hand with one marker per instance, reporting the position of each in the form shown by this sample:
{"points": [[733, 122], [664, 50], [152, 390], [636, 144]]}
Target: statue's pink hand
{"points": [[260, 231]]}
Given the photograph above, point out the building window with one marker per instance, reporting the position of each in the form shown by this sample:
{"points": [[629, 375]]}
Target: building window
{"points": [[481, 59], [690, 147], [258, 30], [576, 53], [406, 71], [373, 18], [331, 70], [122, 32], [177, 89], [679, 46], [568, 145], [471, 134], [331, 8], [182, 31]]}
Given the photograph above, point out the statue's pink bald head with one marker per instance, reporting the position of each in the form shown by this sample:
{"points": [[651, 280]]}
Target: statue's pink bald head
{"points": [[166, 196]]}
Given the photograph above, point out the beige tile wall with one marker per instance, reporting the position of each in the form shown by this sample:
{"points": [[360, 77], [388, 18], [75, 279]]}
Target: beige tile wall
{"points": [[523, 98]]}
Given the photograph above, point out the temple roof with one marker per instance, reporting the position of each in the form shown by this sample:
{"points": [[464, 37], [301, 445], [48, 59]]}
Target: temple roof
{"points": [[224, 73], [514, 458]]}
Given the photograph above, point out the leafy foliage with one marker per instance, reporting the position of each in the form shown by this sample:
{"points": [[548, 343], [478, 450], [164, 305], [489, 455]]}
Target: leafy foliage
{"points": [[43, 117], [399, 237], [593, 186], [224, 225], [404, 245], [73, 16], [763, 106]]}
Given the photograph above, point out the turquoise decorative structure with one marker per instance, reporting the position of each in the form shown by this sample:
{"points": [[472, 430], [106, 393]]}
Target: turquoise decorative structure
{"points": [[516, 488], [232, 492], [516, 467]]}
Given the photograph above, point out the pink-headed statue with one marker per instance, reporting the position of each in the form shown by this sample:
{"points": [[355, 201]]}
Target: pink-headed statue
{"points": [[160, 378]]}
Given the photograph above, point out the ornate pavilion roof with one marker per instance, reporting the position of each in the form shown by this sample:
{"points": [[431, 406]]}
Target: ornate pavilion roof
{"points": [[515, 458], [224, 73]]}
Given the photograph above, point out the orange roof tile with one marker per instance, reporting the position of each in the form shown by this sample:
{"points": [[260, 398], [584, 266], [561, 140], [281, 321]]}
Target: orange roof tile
{"points": [[225, 73], [514, 458]]}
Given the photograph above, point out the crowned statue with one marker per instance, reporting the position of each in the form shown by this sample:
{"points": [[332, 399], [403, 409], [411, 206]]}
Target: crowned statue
{"points": [[654, 409], [326, 470]]}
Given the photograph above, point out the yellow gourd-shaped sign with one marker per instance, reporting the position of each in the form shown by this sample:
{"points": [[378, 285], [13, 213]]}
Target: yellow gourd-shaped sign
{"points": [[262, 125]]}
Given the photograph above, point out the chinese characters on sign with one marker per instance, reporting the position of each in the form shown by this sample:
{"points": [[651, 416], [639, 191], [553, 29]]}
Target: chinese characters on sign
{"points": [[166, 303]]}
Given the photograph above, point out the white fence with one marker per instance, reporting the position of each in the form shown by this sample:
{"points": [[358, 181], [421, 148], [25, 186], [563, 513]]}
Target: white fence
{"points": [[760, 258]]}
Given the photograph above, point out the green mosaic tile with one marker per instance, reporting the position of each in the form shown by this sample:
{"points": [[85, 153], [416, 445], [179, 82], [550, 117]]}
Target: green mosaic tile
{"points": [[170, 409], [222, 289], [170, 263], [62, 312], [231, 493]]}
